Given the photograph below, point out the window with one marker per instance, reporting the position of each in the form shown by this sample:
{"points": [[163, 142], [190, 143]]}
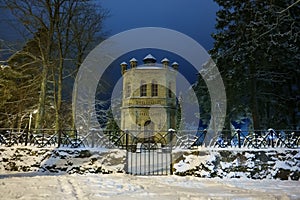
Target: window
{"points": [[149, 127], [154, 89], [128, 90], [143, 89], [170, 93]]}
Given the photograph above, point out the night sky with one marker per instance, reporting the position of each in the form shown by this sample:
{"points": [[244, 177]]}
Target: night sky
{"points": [[195, 18]]}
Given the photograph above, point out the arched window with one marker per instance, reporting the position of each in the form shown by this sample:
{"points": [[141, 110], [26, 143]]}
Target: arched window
{"points": [[149, 126], [143, 89], [154, 89]]}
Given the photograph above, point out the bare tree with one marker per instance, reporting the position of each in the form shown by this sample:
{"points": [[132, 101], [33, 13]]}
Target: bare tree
{"points": [[66, 29]]}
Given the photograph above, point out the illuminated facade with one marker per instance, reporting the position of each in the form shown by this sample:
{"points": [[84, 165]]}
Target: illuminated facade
{"points": [[149, 96]]}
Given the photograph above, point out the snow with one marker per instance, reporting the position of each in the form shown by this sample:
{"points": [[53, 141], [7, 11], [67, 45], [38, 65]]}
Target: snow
{"points": [[225, 165], [249, 155], [133, 60], [190, 162], [149, 67], [149, 56], [164, 60], [281, 165], [42, 184], [61, 160], [127, 187]]}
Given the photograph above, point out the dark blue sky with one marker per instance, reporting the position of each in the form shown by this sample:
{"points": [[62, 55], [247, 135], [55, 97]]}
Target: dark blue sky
{"points": [[195, 18]]}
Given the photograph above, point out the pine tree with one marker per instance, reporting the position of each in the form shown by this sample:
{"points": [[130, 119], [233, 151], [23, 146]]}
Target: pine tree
{"points": [[19, 80], [257, 51]]}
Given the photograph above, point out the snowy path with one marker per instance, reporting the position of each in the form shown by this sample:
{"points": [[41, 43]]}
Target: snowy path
{"points": [[126, 187]]}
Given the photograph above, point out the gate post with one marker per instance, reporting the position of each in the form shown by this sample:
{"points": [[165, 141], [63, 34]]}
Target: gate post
{"points": [[171, 132], [126, 140]]}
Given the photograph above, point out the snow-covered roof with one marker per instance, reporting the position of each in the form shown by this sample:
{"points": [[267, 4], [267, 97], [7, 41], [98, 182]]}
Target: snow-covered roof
{"points": [[123, 63], [149, 67], [133, 60], [149, 57], [165, 60], [153, 67], [175, 63]]}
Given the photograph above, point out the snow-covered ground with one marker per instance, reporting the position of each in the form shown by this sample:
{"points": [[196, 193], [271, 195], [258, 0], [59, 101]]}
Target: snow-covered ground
{"points": [[127, 187], [30, 173]]}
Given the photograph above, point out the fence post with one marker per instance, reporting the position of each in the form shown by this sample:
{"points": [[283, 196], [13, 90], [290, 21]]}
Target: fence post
{"points": [[26, 137], [93, 138], [76, 138], [204, 136], [59, 138], [239, 137], [271, 132], [43, 138]]}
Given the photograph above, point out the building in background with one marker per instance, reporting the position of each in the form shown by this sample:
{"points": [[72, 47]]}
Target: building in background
{"points": [[149, 105]]}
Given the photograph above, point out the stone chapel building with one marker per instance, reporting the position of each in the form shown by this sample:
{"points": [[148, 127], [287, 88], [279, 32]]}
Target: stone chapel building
{"points": [[149, 99]]}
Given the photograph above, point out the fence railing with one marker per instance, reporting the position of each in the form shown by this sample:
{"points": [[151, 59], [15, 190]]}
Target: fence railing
{"points": [[37, 137], [257, 139], [128, 139]]}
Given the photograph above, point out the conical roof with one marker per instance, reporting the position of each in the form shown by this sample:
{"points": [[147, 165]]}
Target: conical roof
{"points": [[165, 60], [133, 60], [149, 59]]}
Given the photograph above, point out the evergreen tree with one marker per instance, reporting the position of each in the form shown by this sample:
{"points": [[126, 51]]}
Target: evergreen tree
{"points": [[257, 51], [19, 82]]}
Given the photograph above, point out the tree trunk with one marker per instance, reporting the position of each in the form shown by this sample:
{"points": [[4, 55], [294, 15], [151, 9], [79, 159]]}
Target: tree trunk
{"points": [[42, 99], [253, 99]]}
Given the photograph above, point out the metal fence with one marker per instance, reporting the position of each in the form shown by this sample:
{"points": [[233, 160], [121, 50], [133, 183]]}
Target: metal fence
{"points": [[181, 139], [38, 137], [257, 139], [148, 152]]}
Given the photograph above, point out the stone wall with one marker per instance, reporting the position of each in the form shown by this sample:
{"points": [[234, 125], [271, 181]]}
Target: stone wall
{"points": [[40, 160], [281, 164]]}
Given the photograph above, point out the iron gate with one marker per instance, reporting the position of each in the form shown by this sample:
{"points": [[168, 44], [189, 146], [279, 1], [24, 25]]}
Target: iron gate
{"points": [[150, 154]]}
